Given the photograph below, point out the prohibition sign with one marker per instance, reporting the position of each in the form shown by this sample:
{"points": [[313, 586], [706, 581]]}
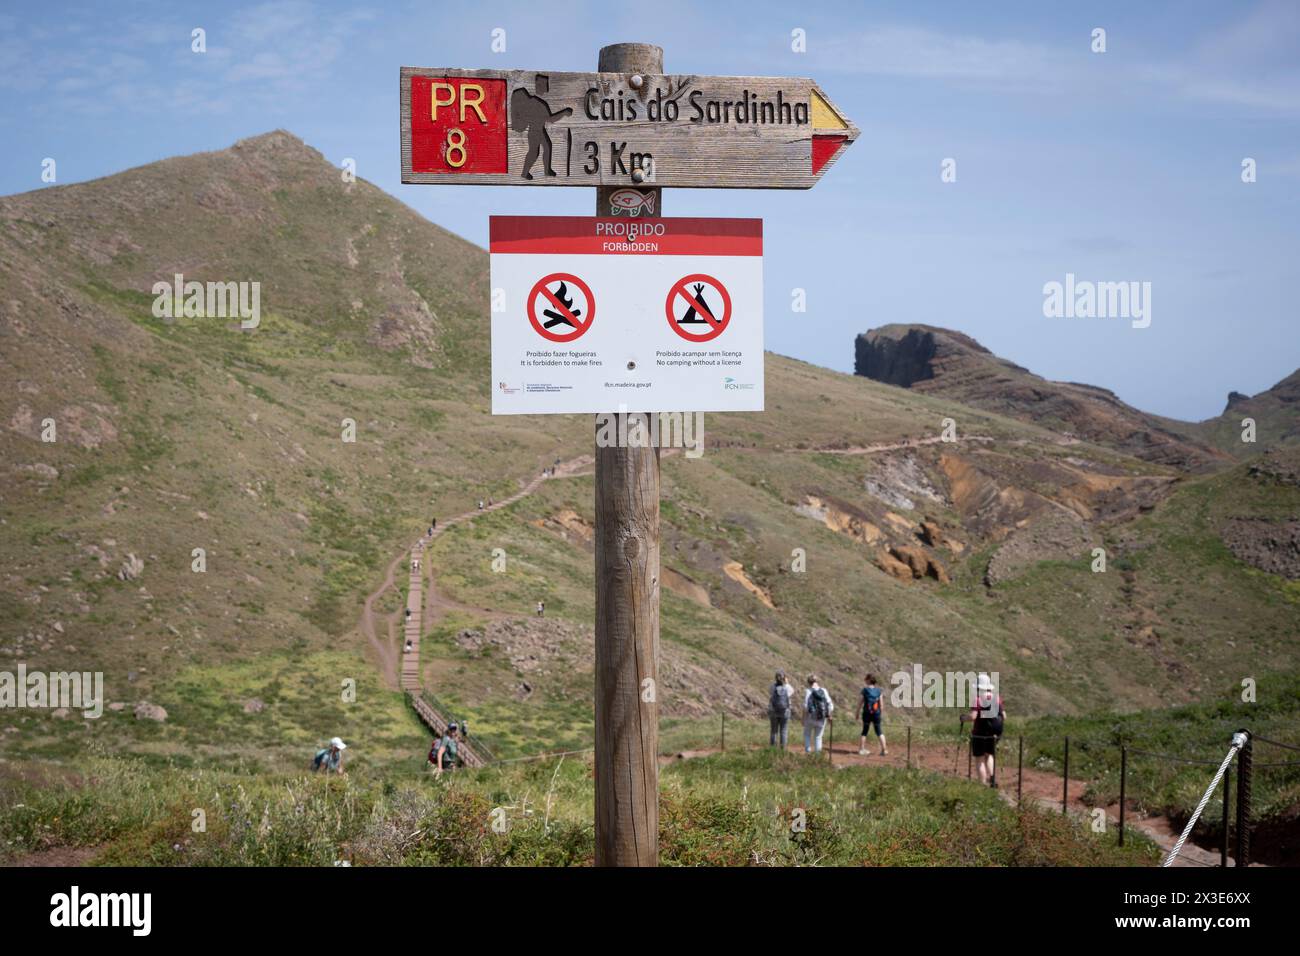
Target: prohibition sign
{"points": [[560, 308], [700, 311]]}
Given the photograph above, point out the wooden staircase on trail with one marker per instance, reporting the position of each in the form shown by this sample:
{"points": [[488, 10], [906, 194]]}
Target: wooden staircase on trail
{"points": [[431, 713], [431, 716]]}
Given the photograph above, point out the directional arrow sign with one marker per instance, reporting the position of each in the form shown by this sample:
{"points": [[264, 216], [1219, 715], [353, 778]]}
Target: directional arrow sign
{"points": [[531, 128]]}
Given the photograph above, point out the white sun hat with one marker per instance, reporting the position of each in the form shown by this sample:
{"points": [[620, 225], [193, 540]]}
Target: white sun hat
{"points": [[336, 742], [985, 683]]}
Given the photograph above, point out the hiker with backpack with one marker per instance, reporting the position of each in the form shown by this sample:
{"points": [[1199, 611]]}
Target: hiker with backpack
{"points": [[445, 751], [817, 710], [986, 717], [778, 709], [870, 705], [330, 757]]}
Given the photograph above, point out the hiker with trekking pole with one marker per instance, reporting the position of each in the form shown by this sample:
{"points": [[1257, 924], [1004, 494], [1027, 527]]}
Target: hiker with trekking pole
{"points": [[986, 718]]}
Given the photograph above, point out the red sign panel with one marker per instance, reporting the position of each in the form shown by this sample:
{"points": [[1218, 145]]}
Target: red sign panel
{"points": [[587, 236], [458, 125]]}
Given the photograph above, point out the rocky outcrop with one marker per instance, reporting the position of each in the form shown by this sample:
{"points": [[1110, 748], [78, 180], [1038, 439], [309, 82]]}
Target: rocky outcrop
{"points": [[686, 587], [841, 517], [1271, 546], [893, 567], [736, 572], [943, 362], [131, 568], [915, 560], [1053, 536], [147, 711]]}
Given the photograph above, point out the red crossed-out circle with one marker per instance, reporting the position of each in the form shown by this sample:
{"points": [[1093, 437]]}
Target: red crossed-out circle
{"points": [[716, 324], [542, 287]]}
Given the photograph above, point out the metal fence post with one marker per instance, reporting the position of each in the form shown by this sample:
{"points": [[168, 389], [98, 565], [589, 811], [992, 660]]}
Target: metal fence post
{"points": [[724, 731], [909, 746], [1065, 777], [1227, 790], [1123, 778], [1243, 801]]}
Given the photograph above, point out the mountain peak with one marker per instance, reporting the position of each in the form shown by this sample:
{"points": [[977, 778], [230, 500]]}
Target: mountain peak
{"points": [[277, 143]]}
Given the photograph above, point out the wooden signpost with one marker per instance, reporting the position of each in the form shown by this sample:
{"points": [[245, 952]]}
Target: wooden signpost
{"points": [[616, 128], [629, 130]]}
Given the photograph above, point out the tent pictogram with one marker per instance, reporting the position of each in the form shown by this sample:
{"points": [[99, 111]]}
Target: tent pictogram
{"points": [[698, 307], [561, 307]]}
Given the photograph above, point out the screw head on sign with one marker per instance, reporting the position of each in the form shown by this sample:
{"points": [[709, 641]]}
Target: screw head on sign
{"points": [[631, 365], [637, 80], [638, 175]]}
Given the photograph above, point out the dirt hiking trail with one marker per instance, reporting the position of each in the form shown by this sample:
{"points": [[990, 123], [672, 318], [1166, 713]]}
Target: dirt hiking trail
{"points": [[399, 660]]}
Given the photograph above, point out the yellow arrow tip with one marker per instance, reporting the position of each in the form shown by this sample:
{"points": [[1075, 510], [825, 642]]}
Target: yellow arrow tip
{"points": [[824, 116]]}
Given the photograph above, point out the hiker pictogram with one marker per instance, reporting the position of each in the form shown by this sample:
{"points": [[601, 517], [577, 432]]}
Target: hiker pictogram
{"points": [[530, 113], [698, 307], [561, 307]]}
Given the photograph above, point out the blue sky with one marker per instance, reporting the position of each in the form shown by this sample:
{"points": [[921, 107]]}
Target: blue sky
{"points": [[1123, 165]]}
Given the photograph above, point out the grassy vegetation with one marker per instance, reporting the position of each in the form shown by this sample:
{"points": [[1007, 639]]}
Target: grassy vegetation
{"points": [[191, 433], [1199, 732], [736, 810]]}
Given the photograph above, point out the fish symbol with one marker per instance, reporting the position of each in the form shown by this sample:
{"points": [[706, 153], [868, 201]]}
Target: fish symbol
{"points": [[630, 201]]}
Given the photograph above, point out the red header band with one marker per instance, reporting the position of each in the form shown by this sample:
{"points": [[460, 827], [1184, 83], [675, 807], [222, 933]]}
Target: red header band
{"points": [[615, 235]]}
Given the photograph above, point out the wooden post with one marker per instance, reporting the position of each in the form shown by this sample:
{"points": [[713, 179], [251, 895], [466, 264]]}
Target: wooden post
{"points": [[1020, 774], [1065, 777], [627, 608]]}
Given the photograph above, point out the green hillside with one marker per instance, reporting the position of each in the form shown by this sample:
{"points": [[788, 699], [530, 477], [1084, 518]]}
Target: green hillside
{"points": [[192, 433]]}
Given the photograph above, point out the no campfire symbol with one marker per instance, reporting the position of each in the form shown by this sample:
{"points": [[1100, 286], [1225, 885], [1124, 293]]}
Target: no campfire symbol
{"points": [[698, 307], [561, 307]]}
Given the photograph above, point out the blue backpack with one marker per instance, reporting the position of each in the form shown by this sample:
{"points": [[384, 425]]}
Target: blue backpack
{"points": [[871, 701]]}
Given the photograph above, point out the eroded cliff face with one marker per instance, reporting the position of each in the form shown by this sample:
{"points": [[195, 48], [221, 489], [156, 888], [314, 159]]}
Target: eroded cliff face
{"points": [[943, 362]]}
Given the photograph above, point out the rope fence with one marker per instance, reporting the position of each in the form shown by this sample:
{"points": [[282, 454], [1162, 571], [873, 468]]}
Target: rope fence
{"points": [[1238, 741], [482, 756]]}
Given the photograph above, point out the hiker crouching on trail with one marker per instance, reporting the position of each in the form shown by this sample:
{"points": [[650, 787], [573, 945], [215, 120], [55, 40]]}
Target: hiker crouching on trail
{"points": [[445, 752], [986, 717], [331, 757], [870, 709], [817, 710], [778, 709]]}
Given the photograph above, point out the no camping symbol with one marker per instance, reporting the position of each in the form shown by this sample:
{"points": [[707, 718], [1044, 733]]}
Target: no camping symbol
{"points": [[561, 307], [698, 307]]}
